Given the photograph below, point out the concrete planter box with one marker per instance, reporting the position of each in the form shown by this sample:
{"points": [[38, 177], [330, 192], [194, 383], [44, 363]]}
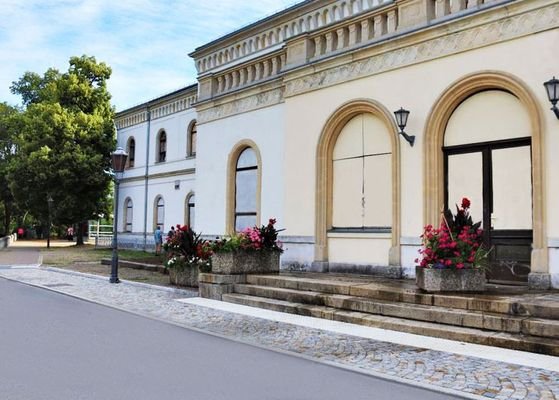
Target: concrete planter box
{"points": [[450, 280], [249, 262], [184, 277]]}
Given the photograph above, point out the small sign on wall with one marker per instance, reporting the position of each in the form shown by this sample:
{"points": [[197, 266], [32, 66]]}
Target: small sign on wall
{"points": [[177, 185]]}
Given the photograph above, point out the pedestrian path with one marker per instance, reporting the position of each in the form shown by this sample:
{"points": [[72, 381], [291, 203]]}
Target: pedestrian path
{"points": [[20, 257], [522, 376]]}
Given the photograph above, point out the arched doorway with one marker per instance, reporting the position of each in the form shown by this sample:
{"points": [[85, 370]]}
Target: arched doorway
{"points": [[356, 222], [483, 140]]}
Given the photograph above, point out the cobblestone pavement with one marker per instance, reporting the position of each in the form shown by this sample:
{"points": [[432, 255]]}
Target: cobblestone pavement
{"points": [[470, 376]]}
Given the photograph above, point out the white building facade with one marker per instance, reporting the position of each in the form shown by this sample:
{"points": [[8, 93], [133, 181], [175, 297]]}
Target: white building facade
{"points": [[293, 119]]}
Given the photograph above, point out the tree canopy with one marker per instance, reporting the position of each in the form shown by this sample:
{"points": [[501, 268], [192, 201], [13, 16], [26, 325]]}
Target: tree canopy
{"points": [[64, 138]]}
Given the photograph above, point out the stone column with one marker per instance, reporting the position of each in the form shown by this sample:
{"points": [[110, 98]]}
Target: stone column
{"points": [[250, 74], [227, 81], [457, 5], [391, 22], [379, 26], [265, 69], [341, 38], [220, 84], [275, 68], [442, 8], [329, 42], [353, 34], [365, 30], [318, 45]]}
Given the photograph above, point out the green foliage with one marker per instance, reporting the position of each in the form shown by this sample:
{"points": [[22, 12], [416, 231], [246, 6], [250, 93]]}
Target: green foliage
{"points": [[8, 129], [65, 136]]}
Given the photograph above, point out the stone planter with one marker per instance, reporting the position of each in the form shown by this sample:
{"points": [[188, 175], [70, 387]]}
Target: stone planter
{"points": [[250, 262], [450, 280], [184, 277]]}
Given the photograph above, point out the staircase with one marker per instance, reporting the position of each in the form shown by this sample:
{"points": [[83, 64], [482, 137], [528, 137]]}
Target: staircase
{"points": [[523, 320]]}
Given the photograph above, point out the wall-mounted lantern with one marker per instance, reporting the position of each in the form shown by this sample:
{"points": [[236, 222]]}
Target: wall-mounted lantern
{"points": [[402, 120], [552, 88]]}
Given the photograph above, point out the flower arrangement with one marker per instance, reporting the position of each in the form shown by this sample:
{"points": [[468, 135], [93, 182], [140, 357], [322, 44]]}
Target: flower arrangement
{"points": [[264, 238], [456, 244], [185, 249]]}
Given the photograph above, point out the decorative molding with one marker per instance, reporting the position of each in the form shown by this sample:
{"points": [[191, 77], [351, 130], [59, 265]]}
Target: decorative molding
{"points": [[504, 29], [250, 103], [188, 171]]}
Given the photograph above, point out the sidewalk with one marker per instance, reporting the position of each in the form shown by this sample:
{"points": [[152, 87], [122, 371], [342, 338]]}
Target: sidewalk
{"points": [[466, 375], [20, 256]]}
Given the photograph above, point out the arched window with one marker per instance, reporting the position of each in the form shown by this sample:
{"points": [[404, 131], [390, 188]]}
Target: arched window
{"points": [[162, 147], [128, 214], [362, 175], [246, 189], [159, 214], [131, 152], [192, 137], [190, 214]]}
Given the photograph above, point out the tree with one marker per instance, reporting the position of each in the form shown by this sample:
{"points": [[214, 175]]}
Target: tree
{"points": [[8, 124], [65, 137]]}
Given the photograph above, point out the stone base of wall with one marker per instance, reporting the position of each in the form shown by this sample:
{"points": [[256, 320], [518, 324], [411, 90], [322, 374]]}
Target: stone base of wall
{"points": [[389, 271]]}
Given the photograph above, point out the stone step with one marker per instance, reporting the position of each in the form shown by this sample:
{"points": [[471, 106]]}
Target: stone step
{"points": [[470, 335], [347, 285], [418, 312]]}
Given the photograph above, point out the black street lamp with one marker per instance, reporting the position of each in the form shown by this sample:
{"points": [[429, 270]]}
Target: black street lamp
{"points": [[118, 161], [49, 202], [552, 88], [402, 120]]}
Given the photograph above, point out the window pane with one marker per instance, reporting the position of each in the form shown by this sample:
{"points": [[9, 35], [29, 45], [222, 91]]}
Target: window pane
{"points": [[247, 159], [191, 215], [245, 198], [193, 143], [244, 221], [350, 140]]}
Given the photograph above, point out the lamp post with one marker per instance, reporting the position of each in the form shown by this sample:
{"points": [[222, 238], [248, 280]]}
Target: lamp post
{"points": [[49, 202], [402, 120], [552, 89], [118, 162]]}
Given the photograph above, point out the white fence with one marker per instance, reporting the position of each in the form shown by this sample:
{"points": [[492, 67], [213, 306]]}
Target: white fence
{"points": [[101, 235]]}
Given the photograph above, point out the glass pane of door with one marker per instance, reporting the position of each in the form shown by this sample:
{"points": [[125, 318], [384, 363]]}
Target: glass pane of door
{"points": [[512, 188], [465, 179]]}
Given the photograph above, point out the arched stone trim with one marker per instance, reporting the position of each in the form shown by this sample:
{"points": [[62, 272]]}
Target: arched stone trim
{"points": [[230, 185], [433, 168], [324, 181]]}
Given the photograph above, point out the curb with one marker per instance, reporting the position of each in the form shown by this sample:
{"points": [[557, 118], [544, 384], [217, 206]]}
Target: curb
{"points": [[378, 375]]}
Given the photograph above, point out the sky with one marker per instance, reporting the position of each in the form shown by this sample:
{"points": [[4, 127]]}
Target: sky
{"points": [[146, 42]]}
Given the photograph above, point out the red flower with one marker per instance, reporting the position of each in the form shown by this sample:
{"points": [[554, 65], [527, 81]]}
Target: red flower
{"points": [[272, 221], [466, 203]]}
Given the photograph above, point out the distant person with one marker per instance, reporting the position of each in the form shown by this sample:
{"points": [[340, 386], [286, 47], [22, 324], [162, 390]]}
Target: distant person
{"points": [[70, 234], [20, 232], [158, 237], [171, 233]]}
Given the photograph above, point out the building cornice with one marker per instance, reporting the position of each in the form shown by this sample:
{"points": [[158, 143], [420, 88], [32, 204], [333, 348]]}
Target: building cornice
{"points": [[496, 25]]}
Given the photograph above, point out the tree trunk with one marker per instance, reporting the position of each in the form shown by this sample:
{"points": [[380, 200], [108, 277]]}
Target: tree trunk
{"points": [[7, 218], [79, 240]]}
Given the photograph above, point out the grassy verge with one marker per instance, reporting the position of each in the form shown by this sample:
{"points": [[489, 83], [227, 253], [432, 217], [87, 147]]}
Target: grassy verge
{"points": [[87, 259]]}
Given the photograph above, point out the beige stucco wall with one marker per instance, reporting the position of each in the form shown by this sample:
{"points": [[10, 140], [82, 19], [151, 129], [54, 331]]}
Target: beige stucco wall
{"points": [[416, 88]]}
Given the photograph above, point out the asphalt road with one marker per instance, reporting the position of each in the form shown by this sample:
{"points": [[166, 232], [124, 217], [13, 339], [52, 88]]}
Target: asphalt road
{"points": [[56, 347]]}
